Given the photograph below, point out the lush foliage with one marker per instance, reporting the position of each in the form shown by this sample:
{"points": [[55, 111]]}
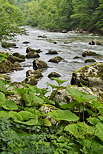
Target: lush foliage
{"points": [[10, 18], [32, 123], [66, 14]]}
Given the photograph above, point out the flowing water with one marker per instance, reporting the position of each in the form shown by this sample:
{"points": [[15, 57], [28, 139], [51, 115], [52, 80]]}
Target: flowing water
{"points": [[68, 45]]}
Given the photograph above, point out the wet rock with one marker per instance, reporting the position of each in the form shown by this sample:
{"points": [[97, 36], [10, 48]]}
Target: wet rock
{"points": [[89, 53], [32, 55], [39, 64], [64, 31], [17, 66], [26, 42], [6, 66], [52, 52], [30, 80], [90, 60], [53, 74], [62, 95], [90, 75], [77, 57], [14, 59], [34, 73], [95, 42], [4, 77], [16, 54], [28, 49], [55, 42], [56, 59], [42, 36], [8, 45]]}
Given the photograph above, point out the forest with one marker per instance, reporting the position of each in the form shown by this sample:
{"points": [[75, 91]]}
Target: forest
{"points": [[52, 15], [70, 119]]}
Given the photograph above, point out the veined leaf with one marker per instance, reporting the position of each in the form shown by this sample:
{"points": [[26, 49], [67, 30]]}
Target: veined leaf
{"points": [[99, 131], [10, 105], [59, 81], [46, 122], [81, 96], [66, 115], [54, 86], [93, 120], [4, 114], [79, 130], [2, 98]]}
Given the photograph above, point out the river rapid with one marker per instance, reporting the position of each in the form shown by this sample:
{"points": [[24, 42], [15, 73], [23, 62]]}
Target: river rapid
{"points": [[68, 45]]}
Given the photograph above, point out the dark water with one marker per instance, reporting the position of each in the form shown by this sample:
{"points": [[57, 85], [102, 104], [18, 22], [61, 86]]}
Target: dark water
{"points": [[68, 46]]}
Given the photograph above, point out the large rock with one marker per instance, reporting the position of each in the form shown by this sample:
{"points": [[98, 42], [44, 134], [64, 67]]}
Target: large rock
{"points": [[14, 59], [30, 80], [53, 74], [28, 49], [39, 64], [8, 45], [6, 66], [34, 73], [90, 75], [90, 60], [89, 53], [32, 55], [95, 42], [16, 54], [52, 52], [56, 59]]}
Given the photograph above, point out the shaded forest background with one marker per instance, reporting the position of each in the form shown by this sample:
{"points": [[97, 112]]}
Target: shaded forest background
{"points": [[53, 15]]}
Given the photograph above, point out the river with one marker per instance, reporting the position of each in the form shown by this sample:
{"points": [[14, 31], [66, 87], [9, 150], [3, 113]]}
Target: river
{"points": [[68, 45]]}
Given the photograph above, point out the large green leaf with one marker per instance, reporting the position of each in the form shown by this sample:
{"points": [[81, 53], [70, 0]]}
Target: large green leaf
{"points": [[79, 130], [2, 98], [93, 120], [31, 99], [10, 105], [4, 114], [99, 131], [59, 81], [66, 115], [80, 96]]}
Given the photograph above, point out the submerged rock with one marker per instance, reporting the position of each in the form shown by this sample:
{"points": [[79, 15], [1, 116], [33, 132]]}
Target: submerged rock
{"points": [[39, 64], [14, 59], [53, 74], [56, 59], [90, 60], [52, 52], [90, 75], [95, 42]]}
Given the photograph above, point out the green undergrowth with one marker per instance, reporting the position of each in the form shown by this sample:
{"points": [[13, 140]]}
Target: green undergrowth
{"points": [[32, 123]]}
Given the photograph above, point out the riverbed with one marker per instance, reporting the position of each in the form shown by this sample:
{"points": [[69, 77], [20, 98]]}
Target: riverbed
{"points": [[68, 45]]}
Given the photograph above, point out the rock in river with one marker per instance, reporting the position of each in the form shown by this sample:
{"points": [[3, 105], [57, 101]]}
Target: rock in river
{"points": [[56, 59], [39, 64], [90, 75], [53, 74]]}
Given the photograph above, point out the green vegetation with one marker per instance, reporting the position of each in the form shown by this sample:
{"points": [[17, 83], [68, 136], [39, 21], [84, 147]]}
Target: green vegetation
{"points": [[32, 123]]}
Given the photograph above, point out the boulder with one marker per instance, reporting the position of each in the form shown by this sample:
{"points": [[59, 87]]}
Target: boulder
{"points": [[17, 66], [95, 42], [39, 64], [34, 73], [14, 59], [62, 95], [8, 45], [89, 53], [56, 59], [90, 75], [28, 49], [6, 66], [16, 54], [52, 52], [90, 60], [53, 74], [32, 55], [30, 80]]}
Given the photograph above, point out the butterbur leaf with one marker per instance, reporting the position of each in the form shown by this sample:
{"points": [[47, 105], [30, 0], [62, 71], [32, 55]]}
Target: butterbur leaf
{"points": [[59, 81], [26, 115], [66, 115], [10, 105], [81, 96], [79, 130], [46, 122], [93, 120], [2, 98], [31, 121], [15, 116], [99, 131], [4, 114]]}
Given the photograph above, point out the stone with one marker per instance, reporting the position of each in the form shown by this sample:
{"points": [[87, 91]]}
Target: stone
{"points": [[17, 66], [90, 60], [77, 57], [6, 66], [39, 64], [42, 36], [34, 73], [14, 59], [28, 49], [32, 55], [8, 45], [53, 74], [26, 42], [89, 53], [95, 42], [89, 75], [16, 54], [52, 52], [30, 80], [56, 59]]}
